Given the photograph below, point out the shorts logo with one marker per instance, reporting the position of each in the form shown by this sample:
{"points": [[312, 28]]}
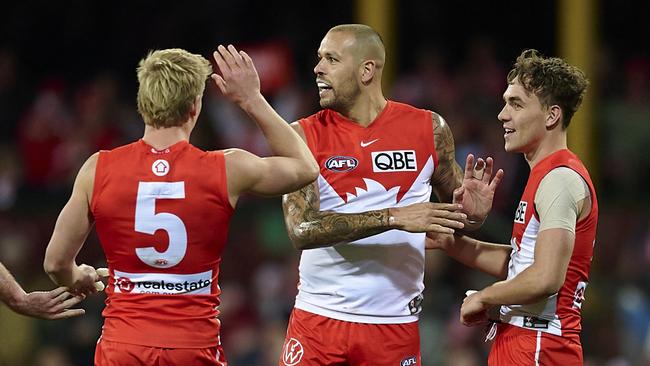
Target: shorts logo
{"points": [[341, 163], [520, 214], [409, 361], [394, 161], [292, 352], [160, 167]]}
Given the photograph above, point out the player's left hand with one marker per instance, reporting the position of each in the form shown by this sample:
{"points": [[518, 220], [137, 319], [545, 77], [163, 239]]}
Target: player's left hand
{"points": [[474, 311], [239, 80], [84, 279], [477, 190]]}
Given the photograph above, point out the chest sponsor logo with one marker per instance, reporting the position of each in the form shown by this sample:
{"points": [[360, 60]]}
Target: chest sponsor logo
{"points": [[341, 163], [160, 167], [409, 361], [292, 352], [520, 214], [163, 283], [394, 161]]}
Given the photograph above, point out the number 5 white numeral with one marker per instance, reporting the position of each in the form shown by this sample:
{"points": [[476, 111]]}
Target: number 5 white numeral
{"points": [[147, 221]]}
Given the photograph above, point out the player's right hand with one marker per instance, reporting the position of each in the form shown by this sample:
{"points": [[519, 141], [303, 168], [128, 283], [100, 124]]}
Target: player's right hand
{"points": [[435, 240], [427, 217]]}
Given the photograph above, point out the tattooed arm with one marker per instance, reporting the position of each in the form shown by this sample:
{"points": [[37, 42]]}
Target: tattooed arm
{"points": [[474, 189], [308, 227], [448, 175]]}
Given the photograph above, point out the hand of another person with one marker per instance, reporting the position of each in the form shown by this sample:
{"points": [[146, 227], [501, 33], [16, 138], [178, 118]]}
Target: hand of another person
{"points": [[477, 190], [474, 311], [436, 240], [238, 81], [54, 304], [427, 216]]}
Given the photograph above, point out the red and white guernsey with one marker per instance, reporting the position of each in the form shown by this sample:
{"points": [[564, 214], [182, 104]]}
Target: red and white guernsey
{"points": [[558, 314], [162, 219], [378, 279]]}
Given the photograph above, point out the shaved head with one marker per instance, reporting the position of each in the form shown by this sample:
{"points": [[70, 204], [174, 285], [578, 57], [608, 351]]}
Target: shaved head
{"points": [[368, 44]]}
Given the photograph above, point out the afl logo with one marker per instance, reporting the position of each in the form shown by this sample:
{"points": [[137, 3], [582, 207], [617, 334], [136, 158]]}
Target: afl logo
{"points": [[124, 284], [341, 163], [292, 352]]}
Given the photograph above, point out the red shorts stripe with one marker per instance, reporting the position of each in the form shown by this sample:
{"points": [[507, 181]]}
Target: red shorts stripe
{"points": [[317, 340], [520, 346]]}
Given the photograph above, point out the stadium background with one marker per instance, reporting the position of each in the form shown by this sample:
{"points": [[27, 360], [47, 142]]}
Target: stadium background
{"points": [[67, 89]]}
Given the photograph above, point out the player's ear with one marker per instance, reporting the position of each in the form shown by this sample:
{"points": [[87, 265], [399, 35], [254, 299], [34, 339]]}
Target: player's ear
{"points": [[368, 71], [553, 116]]}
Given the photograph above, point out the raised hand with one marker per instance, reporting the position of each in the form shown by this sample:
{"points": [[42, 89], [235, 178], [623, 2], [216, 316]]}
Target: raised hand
{"points": [[238, 81], [477, 190], [427, 217], [54, 304]]}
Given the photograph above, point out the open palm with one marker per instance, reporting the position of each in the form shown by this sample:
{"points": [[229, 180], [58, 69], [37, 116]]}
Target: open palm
{"points": [[477, 190]]}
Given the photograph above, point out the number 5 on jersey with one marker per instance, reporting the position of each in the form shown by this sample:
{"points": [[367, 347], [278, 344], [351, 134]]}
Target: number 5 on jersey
{"points": [[147, 221]]}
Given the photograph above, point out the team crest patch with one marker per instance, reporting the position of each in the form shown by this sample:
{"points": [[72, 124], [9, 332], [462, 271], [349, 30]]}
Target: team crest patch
{"points": [[160, 167], [409, 361], [341, 164], [292, 352]]}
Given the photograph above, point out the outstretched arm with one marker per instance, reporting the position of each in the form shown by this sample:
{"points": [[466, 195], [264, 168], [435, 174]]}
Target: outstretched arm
{"points": [[293, 165], [309, 227], [54, 304], [70, 233]]}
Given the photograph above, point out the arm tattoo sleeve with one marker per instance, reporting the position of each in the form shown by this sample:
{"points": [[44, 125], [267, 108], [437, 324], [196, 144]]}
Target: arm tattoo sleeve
{"points": [[308, 227], [448, 174]]}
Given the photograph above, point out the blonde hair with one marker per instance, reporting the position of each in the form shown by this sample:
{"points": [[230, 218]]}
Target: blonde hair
{"points": [[169, 81]]}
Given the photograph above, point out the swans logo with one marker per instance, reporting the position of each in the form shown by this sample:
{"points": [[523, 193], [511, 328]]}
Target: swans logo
{"points": [[292, 352], [341, 163]]}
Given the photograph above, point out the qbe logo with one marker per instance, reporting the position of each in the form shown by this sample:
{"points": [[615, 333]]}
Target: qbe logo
{"points": [[292, 352], [394, 161], [341, 163], [409, 361], [520, 214]]}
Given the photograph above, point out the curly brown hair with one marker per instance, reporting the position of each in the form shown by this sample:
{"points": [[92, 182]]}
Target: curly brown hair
{"points": [[552, 80]]}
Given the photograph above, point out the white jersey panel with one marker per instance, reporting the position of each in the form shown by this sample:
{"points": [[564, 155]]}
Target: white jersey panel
{"points": [[541, 315], [378, 279]]}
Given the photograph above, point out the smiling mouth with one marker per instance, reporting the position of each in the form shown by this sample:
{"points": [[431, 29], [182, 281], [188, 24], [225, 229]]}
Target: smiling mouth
{"points": [[508, 131], [322, 86]]}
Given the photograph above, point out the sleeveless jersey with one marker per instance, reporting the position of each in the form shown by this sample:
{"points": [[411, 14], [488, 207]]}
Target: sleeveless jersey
{"points": [[558, 314], [162, 219], [378, 279]]}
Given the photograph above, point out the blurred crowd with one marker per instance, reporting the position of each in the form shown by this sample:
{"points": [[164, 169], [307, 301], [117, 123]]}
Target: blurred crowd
{"points": [[51, 125]]}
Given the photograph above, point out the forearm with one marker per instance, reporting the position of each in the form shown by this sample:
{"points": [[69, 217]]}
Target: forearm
{"points": [[10, 291], [325, 228], [487, 257], [282, 139], [525, 288]]}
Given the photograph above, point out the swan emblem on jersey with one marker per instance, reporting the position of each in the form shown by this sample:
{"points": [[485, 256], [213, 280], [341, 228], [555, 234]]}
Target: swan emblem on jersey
{"points": [[377, 189], [292, 352]]}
